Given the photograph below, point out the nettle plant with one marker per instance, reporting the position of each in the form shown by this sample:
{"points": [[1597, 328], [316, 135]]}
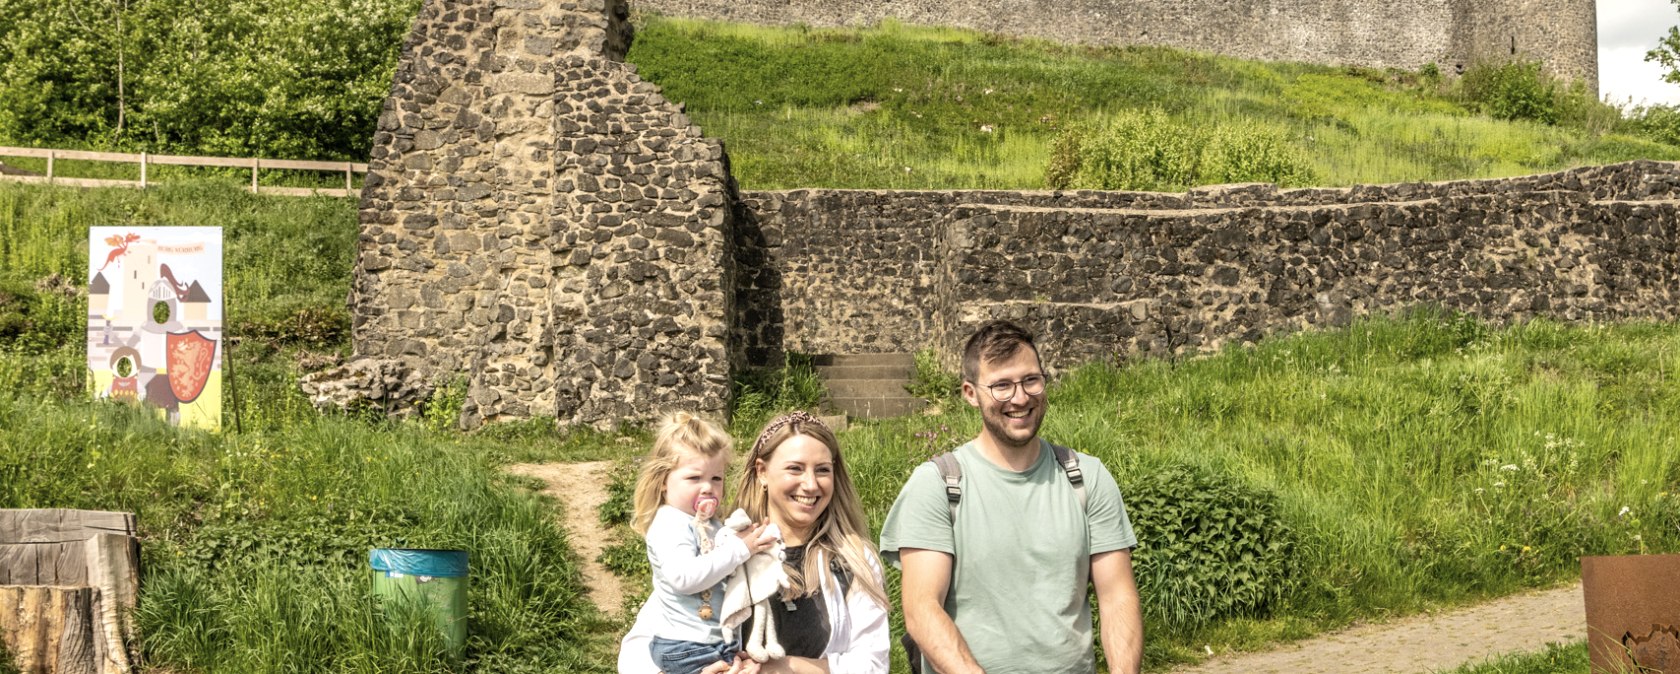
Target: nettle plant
{"points": [[1211, 546]]}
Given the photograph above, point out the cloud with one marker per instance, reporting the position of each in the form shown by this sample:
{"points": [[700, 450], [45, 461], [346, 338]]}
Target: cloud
{"points": [[1634, 23], [1626, 30]]}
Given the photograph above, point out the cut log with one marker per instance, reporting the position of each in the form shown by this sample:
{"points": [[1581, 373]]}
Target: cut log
{"points": [[49, 630], [61, 526], [113, 567], [68, 585], [43, 563]]}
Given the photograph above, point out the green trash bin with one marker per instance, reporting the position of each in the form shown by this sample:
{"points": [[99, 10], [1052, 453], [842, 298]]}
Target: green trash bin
{"points": [[437, 579]]}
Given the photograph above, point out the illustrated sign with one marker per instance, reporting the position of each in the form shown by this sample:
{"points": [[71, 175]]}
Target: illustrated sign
{"points": [[155, 319], [1633, 613]]}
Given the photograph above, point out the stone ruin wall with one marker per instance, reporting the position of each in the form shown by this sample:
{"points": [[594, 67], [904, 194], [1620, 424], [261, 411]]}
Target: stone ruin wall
{"points": [[1117, 274], [542, 222], [1405, 34]]}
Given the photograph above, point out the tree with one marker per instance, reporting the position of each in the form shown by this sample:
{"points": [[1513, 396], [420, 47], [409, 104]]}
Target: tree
{"points": [[1667, 54]]}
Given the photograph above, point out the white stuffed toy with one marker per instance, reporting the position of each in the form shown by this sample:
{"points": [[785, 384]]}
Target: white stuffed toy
{"points": [[751, 589]]}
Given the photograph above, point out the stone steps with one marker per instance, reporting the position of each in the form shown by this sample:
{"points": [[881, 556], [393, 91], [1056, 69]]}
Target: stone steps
{"points": [[869, 386]]}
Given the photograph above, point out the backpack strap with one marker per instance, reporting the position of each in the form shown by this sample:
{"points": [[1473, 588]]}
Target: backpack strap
{"points": [[951, 472], [1070, 465]]}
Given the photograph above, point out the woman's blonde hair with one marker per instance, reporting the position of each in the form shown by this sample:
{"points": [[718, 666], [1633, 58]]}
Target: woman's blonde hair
{"points": [[678, 433], [841, 533]]}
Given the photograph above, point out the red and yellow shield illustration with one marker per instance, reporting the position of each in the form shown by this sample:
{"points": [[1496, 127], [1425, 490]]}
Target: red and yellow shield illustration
{"points": [[191, 355]]}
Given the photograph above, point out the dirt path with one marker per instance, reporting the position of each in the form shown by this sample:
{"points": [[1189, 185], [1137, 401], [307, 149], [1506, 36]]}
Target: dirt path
{"points": [[581, 488], [1516, 624]]}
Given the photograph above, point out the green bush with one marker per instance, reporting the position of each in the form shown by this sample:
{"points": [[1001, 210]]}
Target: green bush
{"points": [[1249, 152], [1520, 90], [1210, 547], [1514, 90], [1660, 123], [1150, 150]]}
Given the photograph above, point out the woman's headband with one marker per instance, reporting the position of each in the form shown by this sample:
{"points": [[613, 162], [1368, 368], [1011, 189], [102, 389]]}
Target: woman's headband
{"points": [[799, 417]]}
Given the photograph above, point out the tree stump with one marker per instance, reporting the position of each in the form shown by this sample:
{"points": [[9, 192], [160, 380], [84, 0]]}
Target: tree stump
{"points": [[68, 584], [49, 630]]}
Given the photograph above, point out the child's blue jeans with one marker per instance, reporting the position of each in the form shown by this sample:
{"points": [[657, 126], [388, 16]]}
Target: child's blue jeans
{"points": [[689, 657]]}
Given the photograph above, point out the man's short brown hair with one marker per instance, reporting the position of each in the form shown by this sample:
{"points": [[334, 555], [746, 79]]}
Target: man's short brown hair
{"points": [[996, 340]]}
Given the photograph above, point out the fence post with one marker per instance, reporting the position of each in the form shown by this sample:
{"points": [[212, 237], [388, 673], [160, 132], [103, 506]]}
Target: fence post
{"points": [[349, 168], [255, 164], [51, 155], [142, 170]]}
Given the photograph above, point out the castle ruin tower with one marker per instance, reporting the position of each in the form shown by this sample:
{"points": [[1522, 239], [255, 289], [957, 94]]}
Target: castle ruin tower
{"points": [[541, 222], [1561, 34]]}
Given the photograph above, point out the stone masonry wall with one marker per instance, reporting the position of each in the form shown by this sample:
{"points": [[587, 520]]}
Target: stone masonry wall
{"points": [[1103, 284], [541, 222], [1407, 34], [850, 271], [856, 271]]}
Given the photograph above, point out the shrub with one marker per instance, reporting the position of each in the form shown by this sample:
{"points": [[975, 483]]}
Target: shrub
{"points": [[1210, 546], [1660, 123], [1149, 150], [1521, 90], [1512, 90], [1250, 152]]}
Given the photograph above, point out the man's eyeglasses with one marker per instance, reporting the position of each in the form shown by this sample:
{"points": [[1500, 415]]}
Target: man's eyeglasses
{"points": [[1004, 391]]}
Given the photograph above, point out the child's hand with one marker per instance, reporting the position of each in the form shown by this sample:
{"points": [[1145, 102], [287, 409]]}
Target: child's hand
{"points": [[757, 539]]}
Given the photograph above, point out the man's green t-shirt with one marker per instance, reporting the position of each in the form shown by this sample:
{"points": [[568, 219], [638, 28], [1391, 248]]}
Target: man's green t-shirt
{"points": [[1022, 547]]}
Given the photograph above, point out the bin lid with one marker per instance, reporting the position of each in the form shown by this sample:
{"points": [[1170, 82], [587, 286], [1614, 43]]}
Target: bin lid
{"points": [[434, 563]]}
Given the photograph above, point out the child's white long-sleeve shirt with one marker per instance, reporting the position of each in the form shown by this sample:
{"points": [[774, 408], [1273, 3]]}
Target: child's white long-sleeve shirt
{"points": [[681, 573]]}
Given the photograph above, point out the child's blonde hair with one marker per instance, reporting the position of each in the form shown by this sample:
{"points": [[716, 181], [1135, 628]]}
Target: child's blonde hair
{"points": [[678, 432]]}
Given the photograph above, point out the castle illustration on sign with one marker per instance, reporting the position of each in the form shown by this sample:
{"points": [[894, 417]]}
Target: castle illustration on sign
{"points": [[155, 319]]}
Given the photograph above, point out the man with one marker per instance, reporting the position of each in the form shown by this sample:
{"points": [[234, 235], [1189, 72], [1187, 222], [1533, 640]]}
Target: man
{"points": [[998, 584]]}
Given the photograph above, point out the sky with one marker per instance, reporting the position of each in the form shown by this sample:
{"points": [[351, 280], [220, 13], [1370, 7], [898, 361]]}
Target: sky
{"points": [[1626, 30]]}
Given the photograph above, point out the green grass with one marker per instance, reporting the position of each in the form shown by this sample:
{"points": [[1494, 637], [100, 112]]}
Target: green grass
{"points": [[894, 106], [1422, 461], [1556, 659]]}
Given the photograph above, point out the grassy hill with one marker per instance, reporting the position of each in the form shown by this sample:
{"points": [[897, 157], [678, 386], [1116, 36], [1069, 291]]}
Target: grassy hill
{"points": [[889, 106], [895, 106]]}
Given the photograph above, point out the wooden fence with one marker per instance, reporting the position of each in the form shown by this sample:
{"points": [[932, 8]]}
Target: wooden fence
{"points": [[145, 160]]}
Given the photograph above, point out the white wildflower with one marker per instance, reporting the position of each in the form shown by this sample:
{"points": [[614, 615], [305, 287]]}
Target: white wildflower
{"points": [[1509, 467], [1624, 512]]}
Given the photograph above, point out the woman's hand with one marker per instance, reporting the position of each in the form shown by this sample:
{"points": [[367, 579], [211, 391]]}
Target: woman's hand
{"points": [[742, 665], [795, 665]]}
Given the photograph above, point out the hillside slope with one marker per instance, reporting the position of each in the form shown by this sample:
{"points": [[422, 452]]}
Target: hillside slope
{"points": [[903, 107]]}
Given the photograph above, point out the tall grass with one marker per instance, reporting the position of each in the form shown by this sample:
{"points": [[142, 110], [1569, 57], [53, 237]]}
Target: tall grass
{"points": [[255, 544]]}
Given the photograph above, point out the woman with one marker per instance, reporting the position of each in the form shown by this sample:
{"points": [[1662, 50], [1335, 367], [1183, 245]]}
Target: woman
{"points": [[834, 617]]}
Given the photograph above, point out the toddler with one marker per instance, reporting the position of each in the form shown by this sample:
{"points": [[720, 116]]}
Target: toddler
{"points": [[689, 550]]}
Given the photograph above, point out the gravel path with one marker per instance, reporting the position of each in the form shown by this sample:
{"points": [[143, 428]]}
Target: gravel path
{"points": [[1442, 641], [581, 488]]}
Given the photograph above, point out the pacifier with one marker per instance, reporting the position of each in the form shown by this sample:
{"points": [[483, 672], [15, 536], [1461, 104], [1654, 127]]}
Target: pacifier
{"points": [[705, 505]]}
